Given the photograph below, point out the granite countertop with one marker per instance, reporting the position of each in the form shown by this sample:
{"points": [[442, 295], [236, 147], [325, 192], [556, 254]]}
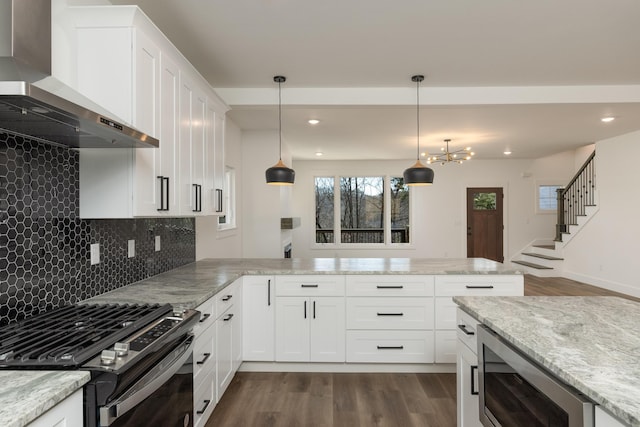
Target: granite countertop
{"points": [[590, 343], [193, 284], [25, 395]]}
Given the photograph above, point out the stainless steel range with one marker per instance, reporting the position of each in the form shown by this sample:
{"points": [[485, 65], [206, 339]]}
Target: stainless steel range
{"points": [[139, 356]]}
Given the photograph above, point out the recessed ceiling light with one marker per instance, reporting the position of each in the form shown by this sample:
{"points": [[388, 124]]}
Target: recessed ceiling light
{"points": [[314, 121], [319, 153], [607, 119], [506, 153]]}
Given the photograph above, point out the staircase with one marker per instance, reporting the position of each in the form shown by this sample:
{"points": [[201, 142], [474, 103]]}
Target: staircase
{"points": [[576, 206]]}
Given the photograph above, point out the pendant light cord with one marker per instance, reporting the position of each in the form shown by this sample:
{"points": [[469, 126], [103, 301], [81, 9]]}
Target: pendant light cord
{"points": [[418, 116], [280, 116]]}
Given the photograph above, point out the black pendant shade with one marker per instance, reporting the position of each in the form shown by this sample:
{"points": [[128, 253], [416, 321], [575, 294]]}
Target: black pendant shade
{"points": [[418, 174], [280, 174]]}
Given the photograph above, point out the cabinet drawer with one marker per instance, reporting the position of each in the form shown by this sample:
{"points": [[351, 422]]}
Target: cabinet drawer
{"points": [[466, 330], [385, 286], [389, 313], [204, 400], [479, 285], [301, 285], [445, 313], [207, 316], [204, 358], [226, 298], [390, 346], [446, 346]]}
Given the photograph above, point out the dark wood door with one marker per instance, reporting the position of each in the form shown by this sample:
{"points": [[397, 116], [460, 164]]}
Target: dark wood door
{"points": [[484, 223]]}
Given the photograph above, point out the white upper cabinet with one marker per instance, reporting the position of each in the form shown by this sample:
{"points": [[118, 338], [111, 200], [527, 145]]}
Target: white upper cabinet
{"points": [[126, 65]]}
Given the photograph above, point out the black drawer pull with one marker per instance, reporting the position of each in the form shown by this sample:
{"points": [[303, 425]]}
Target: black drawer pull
{"points": [[464, 329], [309, 286], [390, 347], [227, 298], [389, 286], [479, 286], [229, 317], [204, 359], [204, 408], [205, 317], [473, 381], [390, 314]]}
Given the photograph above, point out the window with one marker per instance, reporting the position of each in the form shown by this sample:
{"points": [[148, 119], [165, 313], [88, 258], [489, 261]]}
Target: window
{"points": [[547, 198], [228, 220], [371, 209]]}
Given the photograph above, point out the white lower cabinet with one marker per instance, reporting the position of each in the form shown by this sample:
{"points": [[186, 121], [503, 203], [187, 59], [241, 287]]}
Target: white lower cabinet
{"points": [[604, 419], [69, 412], [258, 320], [467, 371], [389, 346]]}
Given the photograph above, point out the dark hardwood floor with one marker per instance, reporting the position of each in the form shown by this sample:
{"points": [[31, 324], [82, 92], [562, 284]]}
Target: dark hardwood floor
{"points": [[358, 400]]}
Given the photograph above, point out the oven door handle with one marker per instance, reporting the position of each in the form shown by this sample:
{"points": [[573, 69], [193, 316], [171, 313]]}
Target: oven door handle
{"points": [[148, 384]]}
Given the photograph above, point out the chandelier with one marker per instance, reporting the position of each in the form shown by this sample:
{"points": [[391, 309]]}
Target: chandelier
{"points": [[446, 156]]}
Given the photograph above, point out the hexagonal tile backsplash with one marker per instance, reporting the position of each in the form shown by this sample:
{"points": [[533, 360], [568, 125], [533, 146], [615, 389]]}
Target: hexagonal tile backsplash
{"points": [[44, 246]]}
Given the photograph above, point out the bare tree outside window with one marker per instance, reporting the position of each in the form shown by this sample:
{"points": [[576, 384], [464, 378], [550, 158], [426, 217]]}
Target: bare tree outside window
{"points": [[362, 209], [324, 210], [399, 211]]}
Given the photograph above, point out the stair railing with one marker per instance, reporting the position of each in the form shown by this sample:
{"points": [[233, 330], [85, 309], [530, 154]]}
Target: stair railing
{"points": [[579, 193]]}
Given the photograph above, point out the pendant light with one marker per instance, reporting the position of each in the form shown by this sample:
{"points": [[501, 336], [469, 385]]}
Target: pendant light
{"points": [[418, 174], [280, 174]]}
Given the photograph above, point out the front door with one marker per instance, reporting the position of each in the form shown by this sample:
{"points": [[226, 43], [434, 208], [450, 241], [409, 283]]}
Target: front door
{"points": [[484, 223]]}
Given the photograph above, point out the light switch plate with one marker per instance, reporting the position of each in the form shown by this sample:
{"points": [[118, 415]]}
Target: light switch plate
{"points": [[131, 248], [95, 253], [157, 243]]}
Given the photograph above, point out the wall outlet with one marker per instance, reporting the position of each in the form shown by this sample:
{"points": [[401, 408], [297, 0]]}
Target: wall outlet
{"points": [[95, 253], [157, 243], [131, 248]]}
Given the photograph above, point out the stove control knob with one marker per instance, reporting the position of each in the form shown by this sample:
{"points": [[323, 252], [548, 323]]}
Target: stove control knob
{"points": [[121, 348], [108, 357]]}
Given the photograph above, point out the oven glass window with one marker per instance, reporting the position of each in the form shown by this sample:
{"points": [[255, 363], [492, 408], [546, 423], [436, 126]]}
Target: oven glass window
{"points": [[512, 401]]}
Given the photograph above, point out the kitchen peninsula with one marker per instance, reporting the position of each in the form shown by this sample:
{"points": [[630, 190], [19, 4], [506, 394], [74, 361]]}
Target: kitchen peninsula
{"points": [[589, 343]]}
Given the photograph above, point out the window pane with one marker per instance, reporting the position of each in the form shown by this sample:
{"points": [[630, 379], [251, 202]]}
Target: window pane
{"points": [[361, 209], [399, 211], [324, 210], [547, 197], [484, 201]]}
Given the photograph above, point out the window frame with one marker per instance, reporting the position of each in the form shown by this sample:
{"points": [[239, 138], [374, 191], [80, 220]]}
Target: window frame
{"points": [[545, 183], [337, 244], [229, 200]]}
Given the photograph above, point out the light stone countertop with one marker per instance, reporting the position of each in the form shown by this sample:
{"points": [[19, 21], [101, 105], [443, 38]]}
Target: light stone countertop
{"points": [[25, 395], [193, 284], [590, 343]]}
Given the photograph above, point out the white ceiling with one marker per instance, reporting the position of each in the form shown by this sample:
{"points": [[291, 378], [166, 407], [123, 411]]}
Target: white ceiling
{"points": [[533, 77]]}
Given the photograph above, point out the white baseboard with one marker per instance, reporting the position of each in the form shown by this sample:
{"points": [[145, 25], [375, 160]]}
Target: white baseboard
{"points": [[603, 283], [348, 367]]}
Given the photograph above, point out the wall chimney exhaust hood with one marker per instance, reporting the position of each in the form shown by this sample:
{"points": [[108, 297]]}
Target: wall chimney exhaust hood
{"points": [[35, 104]]}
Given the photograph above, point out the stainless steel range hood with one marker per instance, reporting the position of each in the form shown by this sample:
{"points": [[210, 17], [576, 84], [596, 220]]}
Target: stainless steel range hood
{"points": [[35, 104]]}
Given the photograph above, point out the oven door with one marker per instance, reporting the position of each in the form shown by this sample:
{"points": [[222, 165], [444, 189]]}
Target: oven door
{"points": [[162, 397], [515, 392]]}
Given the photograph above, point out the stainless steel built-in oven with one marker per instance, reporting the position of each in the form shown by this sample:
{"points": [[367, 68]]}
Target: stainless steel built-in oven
{"points": [[516, 392]]}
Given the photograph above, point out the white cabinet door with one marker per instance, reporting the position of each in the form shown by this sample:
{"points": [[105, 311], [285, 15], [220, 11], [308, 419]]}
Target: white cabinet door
{"points": [[327, 329], [238, 322], [224, 351], [292, 329], [258, 329], [604, 419], [467, 387], [215, 164], [66, 413]]}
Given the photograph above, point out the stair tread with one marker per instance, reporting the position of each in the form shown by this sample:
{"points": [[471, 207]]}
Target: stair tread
{"points": [[545, 246], [548, 257], [533, 265]]}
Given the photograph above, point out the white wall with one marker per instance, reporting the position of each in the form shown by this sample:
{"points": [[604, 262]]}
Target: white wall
{"points": [[211, 243], [603, 252], [439, 211]]}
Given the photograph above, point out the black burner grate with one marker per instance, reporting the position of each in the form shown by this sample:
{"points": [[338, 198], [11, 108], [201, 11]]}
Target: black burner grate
{"points": [[71, 335]]}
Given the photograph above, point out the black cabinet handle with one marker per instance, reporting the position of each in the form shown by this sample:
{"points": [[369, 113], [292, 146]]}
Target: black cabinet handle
{"points": [[390, 314], [166, 178], [227, 297], [204, 359], [309, 286], [479, 286], [464, 329], [229, 317], [389, 286], [473, 381], [269, 292], [390, 347], [197, 194], [163, 190], [204, 408], [204, 317], [218, 200], [314, 309], [305, 309]]}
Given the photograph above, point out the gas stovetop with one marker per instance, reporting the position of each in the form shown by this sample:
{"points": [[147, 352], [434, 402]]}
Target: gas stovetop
{"points": [[100, 336]]}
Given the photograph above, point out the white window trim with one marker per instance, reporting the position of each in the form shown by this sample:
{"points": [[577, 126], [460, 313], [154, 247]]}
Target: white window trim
{"points": [[228, 229], [540, 183]]}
